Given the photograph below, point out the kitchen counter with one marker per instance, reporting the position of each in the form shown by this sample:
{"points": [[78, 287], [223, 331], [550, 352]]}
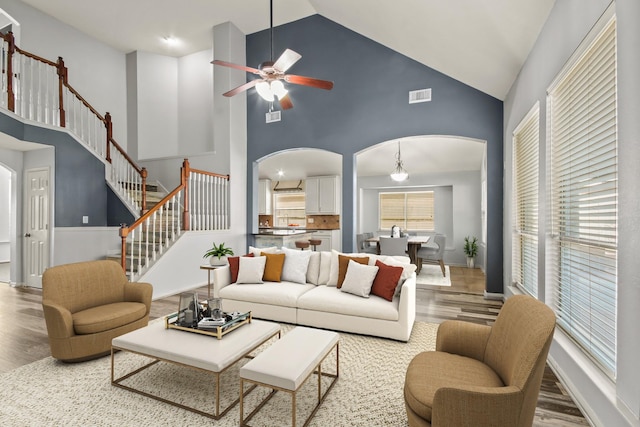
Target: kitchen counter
{"points": [[280, 237]]}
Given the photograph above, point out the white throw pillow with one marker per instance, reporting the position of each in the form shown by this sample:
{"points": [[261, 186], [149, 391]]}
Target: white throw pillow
{"points": [[359, 279], [325, 268], [258, 251], [295, 265], [335, 266], [251, 269], [313, 269]]}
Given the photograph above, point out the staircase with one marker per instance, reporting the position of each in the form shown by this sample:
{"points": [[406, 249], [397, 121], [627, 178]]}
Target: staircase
{"points": [[37, 89]]}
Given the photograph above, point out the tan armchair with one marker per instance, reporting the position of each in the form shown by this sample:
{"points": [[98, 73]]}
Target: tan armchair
{"points": [[87, 304], [482, 375]]}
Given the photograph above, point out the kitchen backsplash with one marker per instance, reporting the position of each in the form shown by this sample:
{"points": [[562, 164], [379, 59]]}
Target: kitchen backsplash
{"points": [[323, 222]]}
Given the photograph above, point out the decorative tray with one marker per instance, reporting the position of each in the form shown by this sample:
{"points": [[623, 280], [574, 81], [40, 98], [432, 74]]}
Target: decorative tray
{"points": [[231, 323]]}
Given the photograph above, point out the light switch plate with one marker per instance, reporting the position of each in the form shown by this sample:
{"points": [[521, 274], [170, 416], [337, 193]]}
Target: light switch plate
{"points": [[85, 219]]}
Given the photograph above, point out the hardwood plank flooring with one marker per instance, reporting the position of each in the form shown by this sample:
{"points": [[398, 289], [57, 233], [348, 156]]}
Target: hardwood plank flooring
{"points": [[23, 339]]}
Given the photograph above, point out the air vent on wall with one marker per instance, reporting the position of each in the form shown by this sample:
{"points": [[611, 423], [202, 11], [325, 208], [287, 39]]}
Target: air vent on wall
{"points": [[421, 95], [273, 116]]}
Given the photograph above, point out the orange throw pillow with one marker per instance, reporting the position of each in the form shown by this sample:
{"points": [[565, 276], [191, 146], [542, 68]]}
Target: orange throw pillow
{"points": [[273, 268], [343, 263], [384, 285], [234, 266]]}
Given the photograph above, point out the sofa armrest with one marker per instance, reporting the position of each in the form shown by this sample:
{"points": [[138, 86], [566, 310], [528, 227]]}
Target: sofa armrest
{"points": [[463, 338], [221, 278], [407, 304], [486, 406], [58, 319], [139, 292]]}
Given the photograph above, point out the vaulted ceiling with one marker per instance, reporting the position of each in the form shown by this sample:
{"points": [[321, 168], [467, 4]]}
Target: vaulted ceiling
{"points": [[482, 43]]}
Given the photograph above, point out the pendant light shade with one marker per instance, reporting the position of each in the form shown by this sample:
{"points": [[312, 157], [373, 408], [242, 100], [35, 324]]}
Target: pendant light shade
{"points": [[399, 174]]}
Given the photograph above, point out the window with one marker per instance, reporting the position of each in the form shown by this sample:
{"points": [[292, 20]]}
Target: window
{"points": [[583, 206], [409, 211], [289, 209], [525, 203]]}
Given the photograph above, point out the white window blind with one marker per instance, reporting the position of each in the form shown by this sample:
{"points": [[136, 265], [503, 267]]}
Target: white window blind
{"points": [[409, 211], [583, 180], [526, 138]]}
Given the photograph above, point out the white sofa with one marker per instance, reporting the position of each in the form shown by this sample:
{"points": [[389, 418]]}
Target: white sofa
{"points": [[319, 305]]}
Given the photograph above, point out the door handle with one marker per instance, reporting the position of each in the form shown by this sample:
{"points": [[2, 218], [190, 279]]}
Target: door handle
{"points": [[27, 235]]}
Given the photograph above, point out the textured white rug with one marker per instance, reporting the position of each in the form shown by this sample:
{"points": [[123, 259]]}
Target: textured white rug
{"points": [[431, 274], [367, 393]]}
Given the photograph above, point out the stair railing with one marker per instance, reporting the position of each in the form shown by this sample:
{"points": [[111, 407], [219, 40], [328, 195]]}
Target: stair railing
{"points": [[37, 89], [200, 202]]}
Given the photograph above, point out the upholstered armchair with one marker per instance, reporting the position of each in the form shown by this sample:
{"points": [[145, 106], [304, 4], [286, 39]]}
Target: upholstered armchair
{"points": [[87, 304], [482, 375]]}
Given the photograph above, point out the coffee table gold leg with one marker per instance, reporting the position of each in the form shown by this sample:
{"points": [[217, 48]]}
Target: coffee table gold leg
{"points": [[241, 402], [293, 409]]}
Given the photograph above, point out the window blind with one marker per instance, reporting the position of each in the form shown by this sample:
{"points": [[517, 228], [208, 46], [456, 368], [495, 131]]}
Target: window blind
{"points": [[526, 139], [583, 186], [408, 210]]}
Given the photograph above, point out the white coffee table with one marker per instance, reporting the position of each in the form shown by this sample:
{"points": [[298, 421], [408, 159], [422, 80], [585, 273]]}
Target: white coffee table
{"points": [[193, 351]]}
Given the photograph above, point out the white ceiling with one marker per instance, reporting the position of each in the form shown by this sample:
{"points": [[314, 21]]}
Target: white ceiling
{"points": [[482, 43], [420, 155]]}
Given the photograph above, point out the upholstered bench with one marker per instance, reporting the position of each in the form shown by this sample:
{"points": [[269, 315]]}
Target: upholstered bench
{"points": [[288, 363]]}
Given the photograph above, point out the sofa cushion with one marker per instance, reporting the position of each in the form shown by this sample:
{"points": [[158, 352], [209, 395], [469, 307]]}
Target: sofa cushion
{"points": [[313, 270], [386, 281], [359, 278], [273, 267], [343, 265], [105, 317], [251, 269], [431, 370], [325, 268], [334, 269], [234, 266], [330, 299], [258, 251], [295, 266], [284, 294]]}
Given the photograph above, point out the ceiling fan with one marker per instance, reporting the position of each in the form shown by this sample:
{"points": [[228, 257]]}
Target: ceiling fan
{"points": [[272, 74]]}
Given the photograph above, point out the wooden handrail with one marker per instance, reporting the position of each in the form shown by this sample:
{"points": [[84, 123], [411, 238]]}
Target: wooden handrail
{"points": [[217, 175], [32, 56], [84, 101], [124, 229], [126, 156]]}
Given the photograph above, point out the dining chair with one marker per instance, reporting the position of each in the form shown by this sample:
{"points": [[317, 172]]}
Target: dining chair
{"points": [[433, 254], [363, 246], [393, 245]]}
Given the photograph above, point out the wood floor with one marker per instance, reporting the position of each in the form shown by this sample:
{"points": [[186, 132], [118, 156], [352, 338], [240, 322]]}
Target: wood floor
{"points": [[24, 338]]}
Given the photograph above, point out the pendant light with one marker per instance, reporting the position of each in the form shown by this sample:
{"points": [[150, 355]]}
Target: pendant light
{"points": [[399, 174]]}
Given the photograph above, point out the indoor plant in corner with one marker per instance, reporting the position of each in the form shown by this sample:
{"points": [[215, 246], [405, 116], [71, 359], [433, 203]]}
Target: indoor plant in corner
{"points": [[470, 250], [218, 254]]}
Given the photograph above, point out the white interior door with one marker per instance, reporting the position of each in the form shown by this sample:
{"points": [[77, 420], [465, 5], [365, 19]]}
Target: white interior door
{"points": [[36, 230]]}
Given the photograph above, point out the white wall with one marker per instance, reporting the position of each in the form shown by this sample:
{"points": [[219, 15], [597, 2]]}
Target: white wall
{"points": [[157, 105], [5, 214], [606, 402], [458, 197], [96, 71], [76, 244], [14, 160]]}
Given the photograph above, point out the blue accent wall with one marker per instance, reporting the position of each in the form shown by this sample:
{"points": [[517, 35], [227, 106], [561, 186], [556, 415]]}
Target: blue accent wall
{"points": [[368, 105], [80, 187]]}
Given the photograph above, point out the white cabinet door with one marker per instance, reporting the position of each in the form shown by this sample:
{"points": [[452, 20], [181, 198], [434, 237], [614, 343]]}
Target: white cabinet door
{"points": [[322, 195], [311, 197], [325, 237], [264, 197]]}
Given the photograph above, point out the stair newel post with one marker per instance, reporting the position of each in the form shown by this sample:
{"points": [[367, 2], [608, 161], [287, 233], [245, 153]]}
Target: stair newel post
{"points": [[124, 231], [109, 125], [185, 180], [12, 48], [62, 80], [143, 174]]}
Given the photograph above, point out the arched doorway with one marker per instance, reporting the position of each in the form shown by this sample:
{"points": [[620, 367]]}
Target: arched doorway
{"points": [[7, 231]]}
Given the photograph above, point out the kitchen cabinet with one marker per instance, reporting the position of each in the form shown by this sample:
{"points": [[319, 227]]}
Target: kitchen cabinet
{"points": [[322, 195], [331, 239], [265, 197]]}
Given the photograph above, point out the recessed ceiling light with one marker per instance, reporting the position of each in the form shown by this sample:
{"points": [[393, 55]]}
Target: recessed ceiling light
{"points": [[280, 173], [170, 41]]}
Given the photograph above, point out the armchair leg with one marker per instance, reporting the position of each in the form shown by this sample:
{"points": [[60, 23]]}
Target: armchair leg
{"points": [[442, 268]]}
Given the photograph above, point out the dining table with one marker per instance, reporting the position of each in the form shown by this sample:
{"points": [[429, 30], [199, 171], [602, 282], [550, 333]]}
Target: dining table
{"points": [[413, 244]]}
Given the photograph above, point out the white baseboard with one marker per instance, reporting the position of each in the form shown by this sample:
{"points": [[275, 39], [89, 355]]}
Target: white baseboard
{"points": [[493, 296]]}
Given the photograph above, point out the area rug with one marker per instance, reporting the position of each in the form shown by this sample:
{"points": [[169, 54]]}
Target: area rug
{"points": [[431, 275], [367, 393]]}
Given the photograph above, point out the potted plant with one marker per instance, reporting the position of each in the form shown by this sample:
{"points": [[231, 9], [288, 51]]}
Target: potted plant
{"points": [[470, 250], [218, 254]]}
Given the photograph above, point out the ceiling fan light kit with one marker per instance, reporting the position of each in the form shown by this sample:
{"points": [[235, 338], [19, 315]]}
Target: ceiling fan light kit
{"points": [[272, 74]]}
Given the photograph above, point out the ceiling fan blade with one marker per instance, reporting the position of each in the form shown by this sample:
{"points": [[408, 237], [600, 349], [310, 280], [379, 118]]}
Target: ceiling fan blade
{"points": [[285, 102], [236, 66], [308, 81], [286, 60], [242, 88]]}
